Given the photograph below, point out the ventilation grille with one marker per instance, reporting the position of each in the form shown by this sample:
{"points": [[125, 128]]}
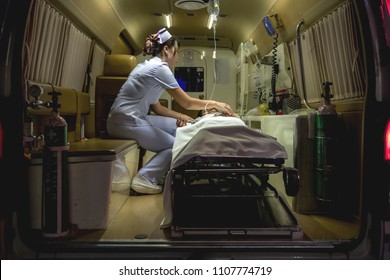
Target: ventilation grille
{"points": [[190, 4]]}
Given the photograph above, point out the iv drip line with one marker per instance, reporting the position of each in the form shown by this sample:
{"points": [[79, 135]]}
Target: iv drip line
{"points": [[213, 10], [214, 68]]}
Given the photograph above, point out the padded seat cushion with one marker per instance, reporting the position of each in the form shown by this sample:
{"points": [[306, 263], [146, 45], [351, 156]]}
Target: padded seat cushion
{"points": [[119, 64], [98, 146]]}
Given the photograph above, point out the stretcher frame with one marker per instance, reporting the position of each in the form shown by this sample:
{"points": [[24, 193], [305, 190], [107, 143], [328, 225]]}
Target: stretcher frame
{"points": [[241, 180]]}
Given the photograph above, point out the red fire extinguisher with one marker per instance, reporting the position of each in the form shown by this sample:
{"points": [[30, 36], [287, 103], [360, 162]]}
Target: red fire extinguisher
{"points": [[55, 200]]}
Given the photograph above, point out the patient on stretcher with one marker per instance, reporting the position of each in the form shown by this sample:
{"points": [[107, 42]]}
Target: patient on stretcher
{"points": [[213, 112], [213, 119], [214, 135]]}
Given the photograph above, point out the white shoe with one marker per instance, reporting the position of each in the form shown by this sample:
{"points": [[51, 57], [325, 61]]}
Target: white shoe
{"points": [[141, 184]]}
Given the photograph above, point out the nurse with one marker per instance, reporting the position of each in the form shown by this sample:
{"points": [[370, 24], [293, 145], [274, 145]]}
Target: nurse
{"points": [[130, 116]]}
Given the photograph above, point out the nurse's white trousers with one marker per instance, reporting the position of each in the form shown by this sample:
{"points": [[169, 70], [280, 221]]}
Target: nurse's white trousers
{"points": [[157, 137]]}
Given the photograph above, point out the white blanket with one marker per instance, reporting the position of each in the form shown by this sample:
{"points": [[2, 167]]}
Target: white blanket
{"points": [[184, 134], [217, 136]]}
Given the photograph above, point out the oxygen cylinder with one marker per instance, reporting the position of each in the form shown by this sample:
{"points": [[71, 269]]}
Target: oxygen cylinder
{"points": [[55, 201], [325, 147]]}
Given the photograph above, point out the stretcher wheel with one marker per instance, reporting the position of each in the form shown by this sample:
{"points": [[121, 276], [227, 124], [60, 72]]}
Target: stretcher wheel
{"points": [[291, 181]]}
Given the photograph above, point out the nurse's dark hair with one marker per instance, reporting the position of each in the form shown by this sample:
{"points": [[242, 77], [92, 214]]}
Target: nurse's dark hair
{"points": [[154, 48]]}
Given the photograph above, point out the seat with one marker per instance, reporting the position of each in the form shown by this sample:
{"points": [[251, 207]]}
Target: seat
{"points": [[117, 67]]}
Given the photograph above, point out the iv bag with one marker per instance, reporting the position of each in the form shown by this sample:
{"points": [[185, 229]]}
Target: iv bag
{"points": [[213, 9]]}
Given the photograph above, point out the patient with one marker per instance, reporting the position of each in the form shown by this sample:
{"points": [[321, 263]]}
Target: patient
{"points": [[214, 135], [186, 133], [213, 112], [202, 113]]}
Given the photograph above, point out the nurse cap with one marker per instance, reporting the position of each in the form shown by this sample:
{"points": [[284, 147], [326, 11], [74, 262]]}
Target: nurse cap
{"points": [[163, 35]]}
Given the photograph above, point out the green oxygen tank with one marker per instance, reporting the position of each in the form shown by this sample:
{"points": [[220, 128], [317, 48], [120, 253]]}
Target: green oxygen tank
{"points": [[326, 148], [55, 196]]}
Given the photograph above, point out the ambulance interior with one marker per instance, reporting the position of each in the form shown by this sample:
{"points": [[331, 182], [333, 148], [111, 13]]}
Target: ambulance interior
{"points": [[277, 78]]}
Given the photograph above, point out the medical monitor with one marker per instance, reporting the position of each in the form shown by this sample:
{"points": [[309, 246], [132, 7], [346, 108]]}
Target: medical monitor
{"points": [[190, 79]]}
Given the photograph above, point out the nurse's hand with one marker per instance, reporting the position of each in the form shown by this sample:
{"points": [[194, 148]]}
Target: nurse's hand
{"points": [[183, 120], [224, 108]]}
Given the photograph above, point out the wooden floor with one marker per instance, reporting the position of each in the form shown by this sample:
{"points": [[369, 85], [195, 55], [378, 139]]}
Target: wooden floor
{"points": [[139, 217]]}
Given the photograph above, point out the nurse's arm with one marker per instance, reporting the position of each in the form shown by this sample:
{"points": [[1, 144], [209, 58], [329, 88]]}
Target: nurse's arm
{"points": [[161, 110]]}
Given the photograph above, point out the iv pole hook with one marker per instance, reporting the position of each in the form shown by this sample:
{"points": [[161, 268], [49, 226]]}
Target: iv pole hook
{"points": [[300, 23]]}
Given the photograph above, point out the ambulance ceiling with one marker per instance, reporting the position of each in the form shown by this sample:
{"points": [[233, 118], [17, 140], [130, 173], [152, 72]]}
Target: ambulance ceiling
{"points": [[236, 21], [107, 18]]}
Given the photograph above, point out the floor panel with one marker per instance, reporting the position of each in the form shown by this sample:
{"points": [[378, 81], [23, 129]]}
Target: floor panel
{"points": [[140, 218]]}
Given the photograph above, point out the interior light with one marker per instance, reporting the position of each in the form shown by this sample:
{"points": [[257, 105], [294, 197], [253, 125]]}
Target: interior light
{"points": [[210, 22], [168, 20]]}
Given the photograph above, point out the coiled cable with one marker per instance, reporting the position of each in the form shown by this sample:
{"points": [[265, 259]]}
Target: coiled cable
{"points": [[275, 72]]}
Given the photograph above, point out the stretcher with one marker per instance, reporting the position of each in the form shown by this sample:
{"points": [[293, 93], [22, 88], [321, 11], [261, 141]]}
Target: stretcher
{"points": [[218, 184]]}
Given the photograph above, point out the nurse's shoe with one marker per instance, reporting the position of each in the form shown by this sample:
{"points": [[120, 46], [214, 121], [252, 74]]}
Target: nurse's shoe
{"points": [[141, 184]]}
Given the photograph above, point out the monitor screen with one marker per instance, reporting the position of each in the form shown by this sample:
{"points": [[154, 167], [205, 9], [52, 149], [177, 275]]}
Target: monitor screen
{"points": [[190, 79]]}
